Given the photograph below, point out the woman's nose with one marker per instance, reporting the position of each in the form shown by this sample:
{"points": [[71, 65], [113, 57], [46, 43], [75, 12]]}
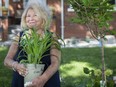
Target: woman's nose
{"points": [[31, 18]]}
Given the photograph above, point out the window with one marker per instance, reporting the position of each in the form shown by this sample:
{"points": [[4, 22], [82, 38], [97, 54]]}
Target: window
{"points": [[0, 7], [16, 0], [4, 7], [25, 3], [43, 2], [70, 8]]}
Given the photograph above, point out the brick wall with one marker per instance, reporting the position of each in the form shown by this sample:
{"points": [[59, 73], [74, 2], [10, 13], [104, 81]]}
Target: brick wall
{"points": [[71, 29]]}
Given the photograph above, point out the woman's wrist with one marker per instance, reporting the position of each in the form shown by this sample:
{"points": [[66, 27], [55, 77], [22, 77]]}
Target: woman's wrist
{"points": [[43, 77], [14, 65]]}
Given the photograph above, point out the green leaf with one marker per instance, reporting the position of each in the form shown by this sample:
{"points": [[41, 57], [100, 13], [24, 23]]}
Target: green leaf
{"points": [[86, 70], [35, 46]]}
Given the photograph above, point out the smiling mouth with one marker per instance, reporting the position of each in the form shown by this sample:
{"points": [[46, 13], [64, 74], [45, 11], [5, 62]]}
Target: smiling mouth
{"points": [[32, 23]]}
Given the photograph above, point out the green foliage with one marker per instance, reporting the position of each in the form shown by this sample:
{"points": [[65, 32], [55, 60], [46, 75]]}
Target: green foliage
{"points": [[35, 45], [86, 70], [112, 32], [95, 77], [5, 73], [96, 14]]}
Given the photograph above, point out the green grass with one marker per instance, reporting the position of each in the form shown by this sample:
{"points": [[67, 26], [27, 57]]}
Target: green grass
{"points": [[5, 73], [73, 61]]}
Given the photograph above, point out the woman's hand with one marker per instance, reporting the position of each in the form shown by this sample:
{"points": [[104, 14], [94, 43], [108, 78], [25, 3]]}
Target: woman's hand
{"points": [[38, 82], [21, 69]]}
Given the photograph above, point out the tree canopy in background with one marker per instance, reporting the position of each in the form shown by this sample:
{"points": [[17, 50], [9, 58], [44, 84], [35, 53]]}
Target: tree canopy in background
{"points": [[95, 14]]}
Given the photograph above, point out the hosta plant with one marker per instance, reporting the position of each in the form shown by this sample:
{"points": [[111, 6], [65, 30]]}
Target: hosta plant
{"points": [[35, 45], [95, 77]]}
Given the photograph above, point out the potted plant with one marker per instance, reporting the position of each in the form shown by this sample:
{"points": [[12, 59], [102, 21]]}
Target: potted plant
{"points": [[34, 45], [95, 15]]}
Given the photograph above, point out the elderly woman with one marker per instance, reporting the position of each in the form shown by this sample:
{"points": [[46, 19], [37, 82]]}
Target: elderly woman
{"points": [[36, 16]]}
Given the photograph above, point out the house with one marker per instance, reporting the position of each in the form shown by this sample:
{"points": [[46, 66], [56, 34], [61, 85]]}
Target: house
{"points": [[11, 11]]}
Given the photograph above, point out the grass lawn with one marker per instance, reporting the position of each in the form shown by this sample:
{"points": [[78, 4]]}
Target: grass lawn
{"points": [[5, 73], [73, 61]]}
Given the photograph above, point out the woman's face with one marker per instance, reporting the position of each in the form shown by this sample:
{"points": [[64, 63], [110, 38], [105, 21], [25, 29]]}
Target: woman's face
{"points": [[32, 19]]}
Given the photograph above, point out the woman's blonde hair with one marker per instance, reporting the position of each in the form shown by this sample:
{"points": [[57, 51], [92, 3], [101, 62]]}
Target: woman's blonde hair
{"points": [[43, 13]]}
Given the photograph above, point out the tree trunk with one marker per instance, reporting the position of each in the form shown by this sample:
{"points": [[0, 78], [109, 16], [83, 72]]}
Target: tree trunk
{"points": [[103, 61]]}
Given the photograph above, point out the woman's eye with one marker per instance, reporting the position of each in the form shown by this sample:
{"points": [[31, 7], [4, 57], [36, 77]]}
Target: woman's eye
{"points": [[35, 15], [31, 15], [28, 16]]}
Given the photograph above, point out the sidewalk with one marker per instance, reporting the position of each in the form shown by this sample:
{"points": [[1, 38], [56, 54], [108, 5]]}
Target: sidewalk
{"points": [[79, 43]]}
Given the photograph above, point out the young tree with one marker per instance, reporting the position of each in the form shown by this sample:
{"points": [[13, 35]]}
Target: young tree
{"points": [[95, 14]]}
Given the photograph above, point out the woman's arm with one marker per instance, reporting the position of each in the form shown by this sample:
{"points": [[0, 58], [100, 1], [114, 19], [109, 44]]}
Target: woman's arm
{"points": [[11, 53], [55, 63], [9, 62], [55, 55]]}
